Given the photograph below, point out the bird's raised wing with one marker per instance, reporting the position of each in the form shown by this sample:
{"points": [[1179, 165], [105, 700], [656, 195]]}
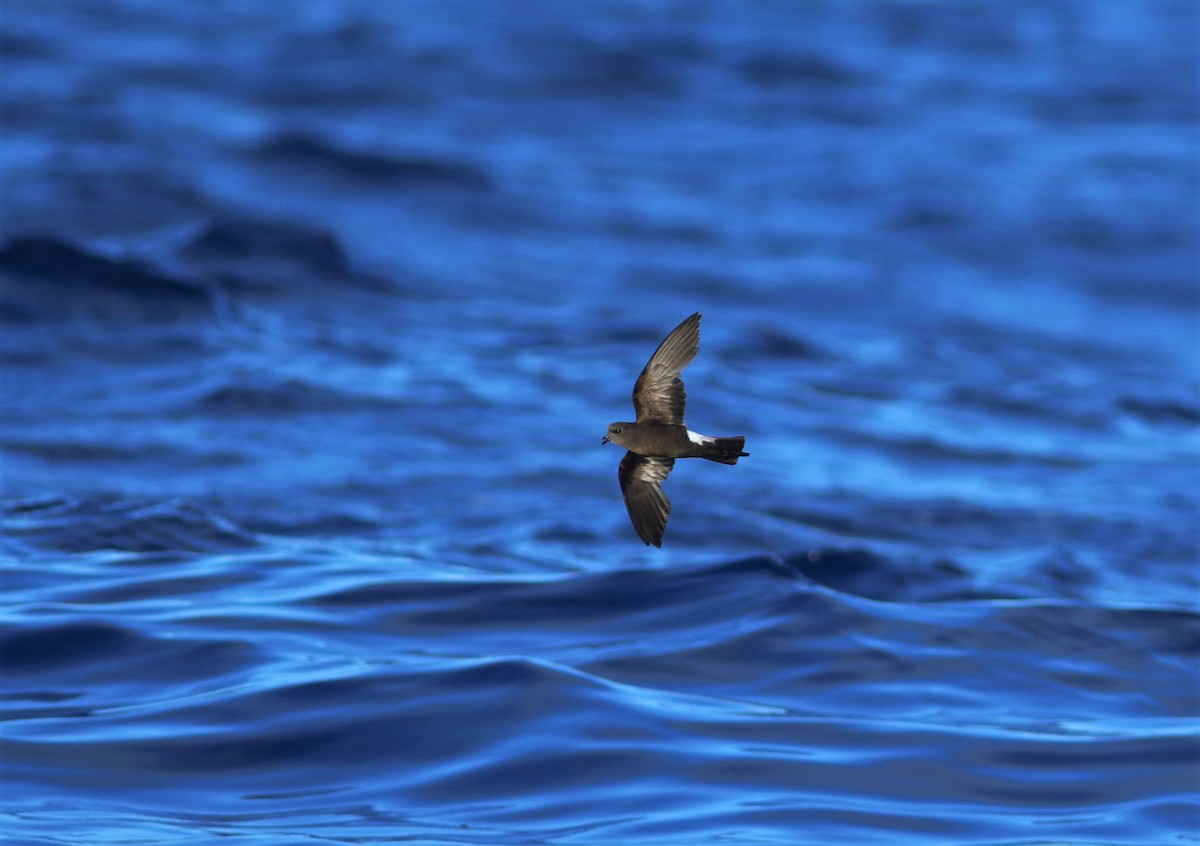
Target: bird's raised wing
{"points": [[658, 394], [641, 485]]}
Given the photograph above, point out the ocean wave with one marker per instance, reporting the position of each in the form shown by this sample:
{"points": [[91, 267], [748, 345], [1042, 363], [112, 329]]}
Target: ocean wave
{"points": [[135, 526], [289, 672], [246, 255], [378, 169], [53, 278]]}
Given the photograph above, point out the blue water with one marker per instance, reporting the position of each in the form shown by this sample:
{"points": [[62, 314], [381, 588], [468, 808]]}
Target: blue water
{"points": [[312, 316]]}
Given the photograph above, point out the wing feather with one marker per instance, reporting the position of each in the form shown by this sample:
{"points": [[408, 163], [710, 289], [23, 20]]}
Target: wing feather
{"points": [[658, 394], [641, 485]]}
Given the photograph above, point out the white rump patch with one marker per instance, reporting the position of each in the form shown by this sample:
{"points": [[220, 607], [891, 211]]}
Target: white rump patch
{"points": [[697, 438]]}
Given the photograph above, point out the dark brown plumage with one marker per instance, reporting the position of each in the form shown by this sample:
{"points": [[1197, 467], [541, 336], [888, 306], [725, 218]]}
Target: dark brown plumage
{"points": [[659, 435]]}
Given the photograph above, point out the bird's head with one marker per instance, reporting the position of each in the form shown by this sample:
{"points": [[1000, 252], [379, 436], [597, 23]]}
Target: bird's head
{"points": [[617, 433]]}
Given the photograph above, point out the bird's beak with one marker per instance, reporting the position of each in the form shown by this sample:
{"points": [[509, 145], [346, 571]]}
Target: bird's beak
{"points": [[604, 441]]}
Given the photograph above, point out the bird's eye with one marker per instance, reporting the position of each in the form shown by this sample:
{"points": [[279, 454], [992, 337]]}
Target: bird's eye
{"points": [[617, 430]]}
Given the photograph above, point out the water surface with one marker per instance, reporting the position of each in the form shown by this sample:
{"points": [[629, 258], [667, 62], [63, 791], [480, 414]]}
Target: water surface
{"points": [[311, 321]]}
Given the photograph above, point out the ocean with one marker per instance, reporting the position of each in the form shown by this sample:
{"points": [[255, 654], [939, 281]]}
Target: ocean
{"points": [[312, 318]]}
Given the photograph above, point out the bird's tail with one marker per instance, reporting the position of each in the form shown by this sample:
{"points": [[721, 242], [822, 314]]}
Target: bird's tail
{"points": [[726, 450]]}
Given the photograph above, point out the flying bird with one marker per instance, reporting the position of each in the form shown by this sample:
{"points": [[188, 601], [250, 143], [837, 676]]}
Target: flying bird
{"points": [[659, 435]]}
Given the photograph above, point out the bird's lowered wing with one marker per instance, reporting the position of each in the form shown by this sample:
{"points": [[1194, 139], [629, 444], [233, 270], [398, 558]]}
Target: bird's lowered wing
{"points": [[641, 485]]}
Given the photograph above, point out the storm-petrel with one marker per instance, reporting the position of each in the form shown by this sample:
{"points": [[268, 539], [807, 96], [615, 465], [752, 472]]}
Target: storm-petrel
{"points": [[660, 436]]}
